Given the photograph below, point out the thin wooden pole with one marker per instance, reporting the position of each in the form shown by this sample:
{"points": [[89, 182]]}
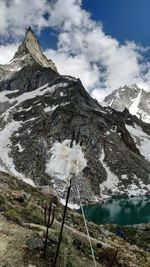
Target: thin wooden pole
{"points": [[67, 199], [62, 226], [49, 219]]}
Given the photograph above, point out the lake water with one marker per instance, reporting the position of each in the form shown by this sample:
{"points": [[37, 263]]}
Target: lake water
{"points": [[120, 211]]}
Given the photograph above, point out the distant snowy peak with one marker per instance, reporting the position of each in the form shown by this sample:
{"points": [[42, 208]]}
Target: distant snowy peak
{"points": [[136, 100]]}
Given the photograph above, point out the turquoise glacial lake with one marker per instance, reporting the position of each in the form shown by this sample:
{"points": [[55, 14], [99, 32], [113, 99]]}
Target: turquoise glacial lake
{"points": [[120, 211]]}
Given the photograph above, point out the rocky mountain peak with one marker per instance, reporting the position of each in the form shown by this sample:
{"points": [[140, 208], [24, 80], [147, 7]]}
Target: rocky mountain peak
{"points": [[31, 46], [29, 54]]}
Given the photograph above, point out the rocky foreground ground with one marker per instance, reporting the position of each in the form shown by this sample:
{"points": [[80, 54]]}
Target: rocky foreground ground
{"points": [[22, 232]]}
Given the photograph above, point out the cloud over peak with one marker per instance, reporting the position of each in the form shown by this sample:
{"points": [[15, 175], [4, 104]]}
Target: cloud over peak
{"points": [[17, 15]]}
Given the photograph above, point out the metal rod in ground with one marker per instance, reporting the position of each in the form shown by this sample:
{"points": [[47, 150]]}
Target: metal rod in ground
{"points": [[62, 226], [47, 223]]}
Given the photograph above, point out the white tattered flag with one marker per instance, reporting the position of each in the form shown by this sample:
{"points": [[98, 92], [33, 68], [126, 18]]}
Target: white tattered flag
{"points": [[65, 160]]}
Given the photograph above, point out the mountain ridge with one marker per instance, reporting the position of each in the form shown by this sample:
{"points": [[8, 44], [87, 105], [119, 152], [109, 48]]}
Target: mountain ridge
{"points": [[38, 106]]}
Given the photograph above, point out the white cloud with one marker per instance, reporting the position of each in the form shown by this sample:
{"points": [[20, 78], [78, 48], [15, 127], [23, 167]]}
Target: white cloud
{"points": [[83, 49], [17, 15], [77, 66], [7, 52]]}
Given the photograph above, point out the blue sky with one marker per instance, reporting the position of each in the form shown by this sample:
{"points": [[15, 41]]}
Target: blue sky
{"points": [[103, 42], [122, 19]]}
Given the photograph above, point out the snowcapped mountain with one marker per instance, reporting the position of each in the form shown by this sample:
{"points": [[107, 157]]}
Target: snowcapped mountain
{"points": [[38, 106], [136, 100]]}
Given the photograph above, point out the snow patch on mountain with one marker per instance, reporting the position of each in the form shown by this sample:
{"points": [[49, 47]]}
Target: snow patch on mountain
{"points": [[138, 190], [5, 145], [112, 180], [6, 161], [141, 139], [28, 95], [112, 184], [4, 98], [70, 205], [134, 190], [14, 66], [20, 149], [143, 116], [135, 103], [49, 109], [39, 92]]}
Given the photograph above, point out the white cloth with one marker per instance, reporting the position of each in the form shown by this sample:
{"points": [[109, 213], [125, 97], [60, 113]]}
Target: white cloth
{"points": [[65, 161]]}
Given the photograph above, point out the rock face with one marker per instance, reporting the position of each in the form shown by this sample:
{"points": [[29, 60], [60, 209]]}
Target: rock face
{"points": [[38, 106], [31, 46], [136, 100], [29, 54]]}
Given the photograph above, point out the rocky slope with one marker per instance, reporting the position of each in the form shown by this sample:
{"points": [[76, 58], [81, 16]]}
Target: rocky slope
{"points": [[136, 100], [22, 234], [39, 106]]}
